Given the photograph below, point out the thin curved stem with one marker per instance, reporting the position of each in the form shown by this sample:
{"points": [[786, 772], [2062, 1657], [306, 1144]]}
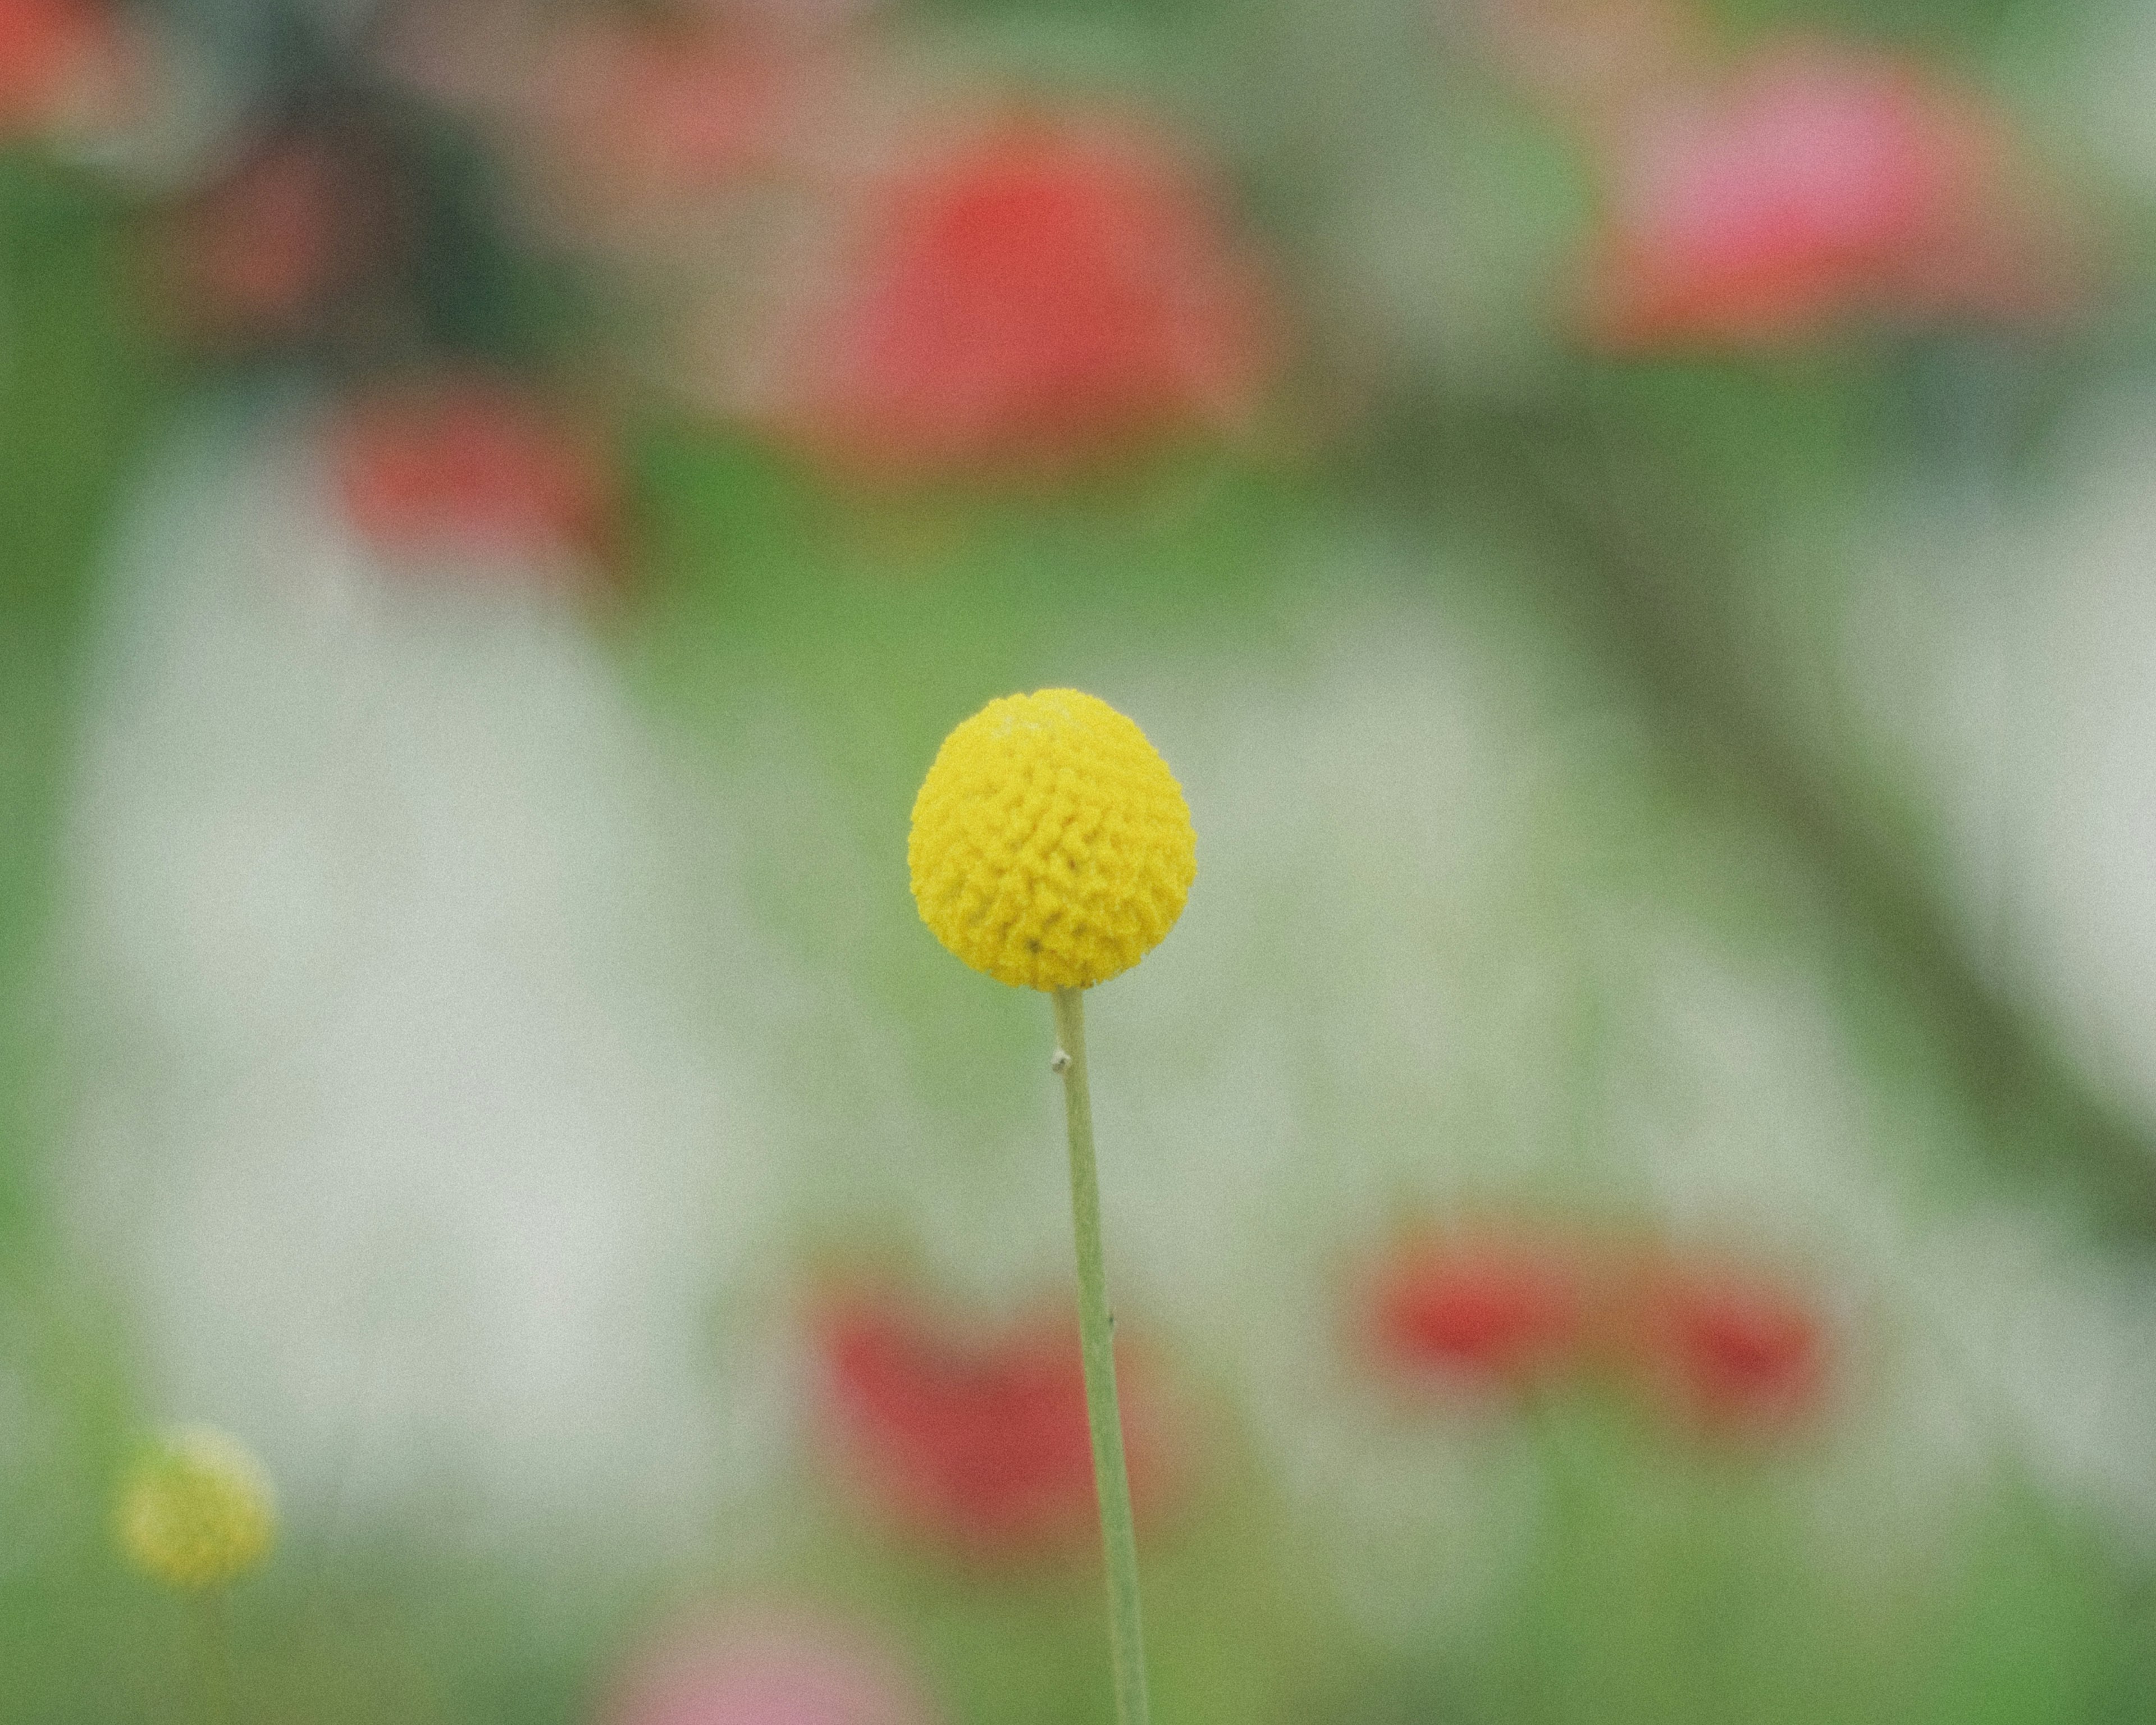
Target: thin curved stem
{"points": [[1111, 1476]]}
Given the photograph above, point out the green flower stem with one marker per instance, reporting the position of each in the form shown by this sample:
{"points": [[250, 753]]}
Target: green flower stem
{"points": [[1112, 1477], [213, 1632]]}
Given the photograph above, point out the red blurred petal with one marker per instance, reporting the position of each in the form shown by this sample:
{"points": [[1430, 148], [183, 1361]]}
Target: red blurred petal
{"points": [[259, 254], [470, 466], [1486, 1309], [1044, 295], [1732, 1350], [47, 49], [978, 1442], [1818, 181]]}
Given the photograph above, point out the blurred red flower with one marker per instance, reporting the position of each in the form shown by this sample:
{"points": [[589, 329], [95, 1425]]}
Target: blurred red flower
{"points": [[1486, 1310], [1041, 296], [1817, 180], [57, 59], [977, 1441], [262, 245], [1731, 1351], [471, 467]]}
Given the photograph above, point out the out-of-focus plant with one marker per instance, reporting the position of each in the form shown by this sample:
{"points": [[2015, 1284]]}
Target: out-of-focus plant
{"points": [[196, 1512]]}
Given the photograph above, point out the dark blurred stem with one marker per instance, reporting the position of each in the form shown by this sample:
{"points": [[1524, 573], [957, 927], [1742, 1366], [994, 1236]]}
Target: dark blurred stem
{"points": [[1111, 1478], [1641, 580]]}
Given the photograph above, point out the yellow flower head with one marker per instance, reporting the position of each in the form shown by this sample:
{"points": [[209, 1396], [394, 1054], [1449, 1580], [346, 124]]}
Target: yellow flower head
{"points": [[1051, 846], [196, 1510]]}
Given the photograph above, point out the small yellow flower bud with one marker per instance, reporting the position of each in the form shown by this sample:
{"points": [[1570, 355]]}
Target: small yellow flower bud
{"points": [[1051, 847], [196, 1510]]}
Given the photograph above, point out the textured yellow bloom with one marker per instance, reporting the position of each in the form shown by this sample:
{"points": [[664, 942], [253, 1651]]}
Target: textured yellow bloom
{"points": [[1051, 846], [195, 1511]]}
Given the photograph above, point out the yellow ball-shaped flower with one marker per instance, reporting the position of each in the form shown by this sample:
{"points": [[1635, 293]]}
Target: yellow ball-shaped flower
{"points": [[195, 1511], [1051, 846]]}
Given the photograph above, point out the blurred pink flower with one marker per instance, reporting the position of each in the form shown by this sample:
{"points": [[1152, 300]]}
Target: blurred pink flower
{"points": [[979, 1442], [765, 1668], [1484, 1308], [1731, 1350], [468, 465], [1040, 295], [1816, 182]]}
